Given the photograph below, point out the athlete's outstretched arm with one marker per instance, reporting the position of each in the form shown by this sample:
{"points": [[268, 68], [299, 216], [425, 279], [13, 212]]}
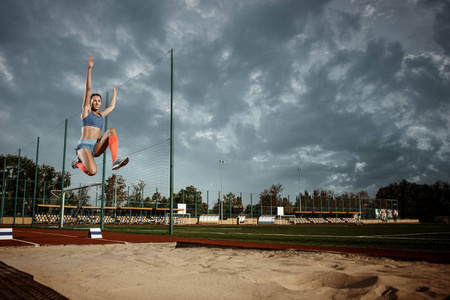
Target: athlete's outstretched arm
{"points": [[87, 97], [112, 105]]}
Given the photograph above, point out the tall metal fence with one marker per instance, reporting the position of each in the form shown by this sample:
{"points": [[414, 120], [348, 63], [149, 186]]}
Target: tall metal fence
{"points": [[33, 177]]}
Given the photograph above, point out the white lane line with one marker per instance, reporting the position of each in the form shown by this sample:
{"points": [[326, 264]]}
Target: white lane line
{"points": [[46, 233], [36, 245], [72, 236]]}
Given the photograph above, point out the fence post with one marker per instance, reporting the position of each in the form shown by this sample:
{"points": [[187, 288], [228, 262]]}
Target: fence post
{"points": [[24, 199], [35, 182], [271, 212], [102, 204], [260, 200], [171, 145], [229, 199], [242, 203], [195, 202], [251, 205], [61, 203], [2, 207], [17, 190], [218, 195], [289, 204]]}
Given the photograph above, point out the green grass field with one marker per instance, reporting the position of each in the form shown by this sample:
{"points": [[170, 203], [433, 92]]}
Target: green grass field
{"points": [[413, 237]]}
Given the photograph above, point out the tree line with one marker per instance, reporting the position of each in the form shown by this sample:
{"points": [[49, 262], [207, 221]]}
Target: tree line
{"points": [[421, 201]]}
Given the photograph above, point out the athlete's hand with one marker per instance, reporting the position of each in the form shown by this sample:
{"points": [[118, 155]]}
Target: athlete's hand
{"points": [[114, 90], [91, 62]]}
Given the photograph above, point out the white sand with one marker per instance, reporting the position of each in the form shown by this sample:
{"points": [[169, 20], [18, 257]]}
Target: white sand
{"points": [[162, 271]]}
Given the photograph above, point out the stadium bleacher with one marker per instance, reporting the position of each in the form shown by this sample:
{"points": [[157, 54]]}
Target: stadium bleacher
{"points": [[266, 219], [209, 219]]}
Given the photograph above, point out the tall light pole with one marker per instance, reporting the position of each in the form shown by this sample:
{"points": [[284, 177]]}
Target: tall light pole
{"points": [[299, 190], [221, 189]]}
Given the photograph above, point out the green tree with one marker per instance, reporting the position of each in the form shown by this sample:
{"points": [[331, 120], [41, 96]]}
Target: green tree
{"points": [[160, 199], [420, 201], [115, 191], [137, 194], [48, 180], [193, 198], [270, 199], [229, 199]]}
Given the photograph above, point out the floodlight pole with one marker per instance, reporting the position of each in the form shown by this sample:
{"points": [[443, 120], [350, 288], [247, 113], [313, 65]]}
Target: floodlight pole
{"points": [[221, 189]]}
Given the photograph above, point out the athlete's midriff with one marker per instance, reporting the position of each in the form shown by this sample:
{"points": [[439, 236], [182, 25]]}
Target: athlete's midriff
{"points": [[90, 133]]}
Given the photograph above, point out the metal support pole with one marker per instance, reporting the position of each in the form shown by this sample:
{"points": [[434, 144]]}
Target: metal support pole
{"points": [[17, 190], [260, 200], [43, 196], [289, 203], [359, 194], [24, 199], [242, 203], [321, 207], [229, 199], [251, 205], [221, 188], [299, 189], [271, 211], [195, 202], [2, 206], [102, 202], [61, 214], [314, 203], [35, 182], [171, 144]]}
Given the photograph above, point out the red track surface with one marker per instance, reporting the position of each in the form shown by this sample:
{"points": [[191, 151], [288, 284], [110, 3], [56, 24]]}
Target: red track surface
{"points": [[43, 237]]}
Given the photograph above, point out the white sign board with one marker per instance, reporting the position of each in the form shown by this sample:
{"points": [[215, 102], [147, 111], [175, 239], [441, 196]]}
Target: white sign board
{"points": [[95, 233], [181, 206], [6, 233], [280, 211]]}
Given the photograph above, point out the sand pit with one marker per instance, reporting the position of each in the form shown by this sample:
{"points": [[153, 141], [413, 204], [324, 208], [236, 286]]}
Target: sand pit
{"points": [[163, 271]]}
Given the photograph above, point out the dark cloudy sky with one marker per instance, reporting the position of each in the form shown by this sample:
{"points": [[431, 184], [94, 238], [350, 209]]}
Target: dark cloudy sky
{"points": [[336, 88]]}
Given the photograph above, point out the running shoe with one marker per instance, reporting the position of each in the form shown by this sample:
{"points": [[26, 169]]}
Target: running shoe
{"points": [[119, 163], [74, 163]]}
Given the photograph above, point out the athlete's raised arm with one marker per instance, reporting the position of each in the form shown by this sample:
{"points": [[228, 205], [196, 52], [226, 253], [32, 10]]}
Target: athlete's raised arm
{"points": [[112, 105], [87, 97]]}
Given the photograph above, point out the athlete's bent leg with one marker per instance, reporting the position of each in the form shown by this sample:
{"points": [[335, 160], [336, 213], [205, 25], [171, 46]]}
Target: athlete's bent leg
{"points": [[103, 143], [87, 164], [109, 138]]}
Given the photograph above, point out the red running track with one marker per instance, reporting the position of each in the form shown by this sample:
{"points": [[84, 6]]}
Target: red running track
{"points": [[44, 237]]}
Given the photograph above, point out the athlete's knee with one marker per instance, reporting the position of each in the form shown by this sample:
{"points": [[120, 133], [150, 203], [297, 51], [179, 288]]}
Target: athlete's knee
{"points": [[112, 131], [91, 171]]}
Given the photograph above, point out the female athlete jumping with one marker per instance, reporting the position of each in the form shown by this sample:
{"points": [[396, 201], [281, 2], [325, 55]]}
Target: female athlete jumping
{"points": [[92, 143]]}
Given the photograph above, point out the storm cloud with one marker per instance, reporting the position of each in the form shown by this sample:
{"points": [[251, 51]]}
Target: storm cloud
{"points": [[336, 88]]}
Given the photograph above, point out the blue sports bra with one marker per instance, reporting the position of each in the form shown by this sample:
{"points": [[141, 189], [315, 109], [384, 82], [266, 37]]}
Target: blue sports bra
{"points": [[93, 120]]}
